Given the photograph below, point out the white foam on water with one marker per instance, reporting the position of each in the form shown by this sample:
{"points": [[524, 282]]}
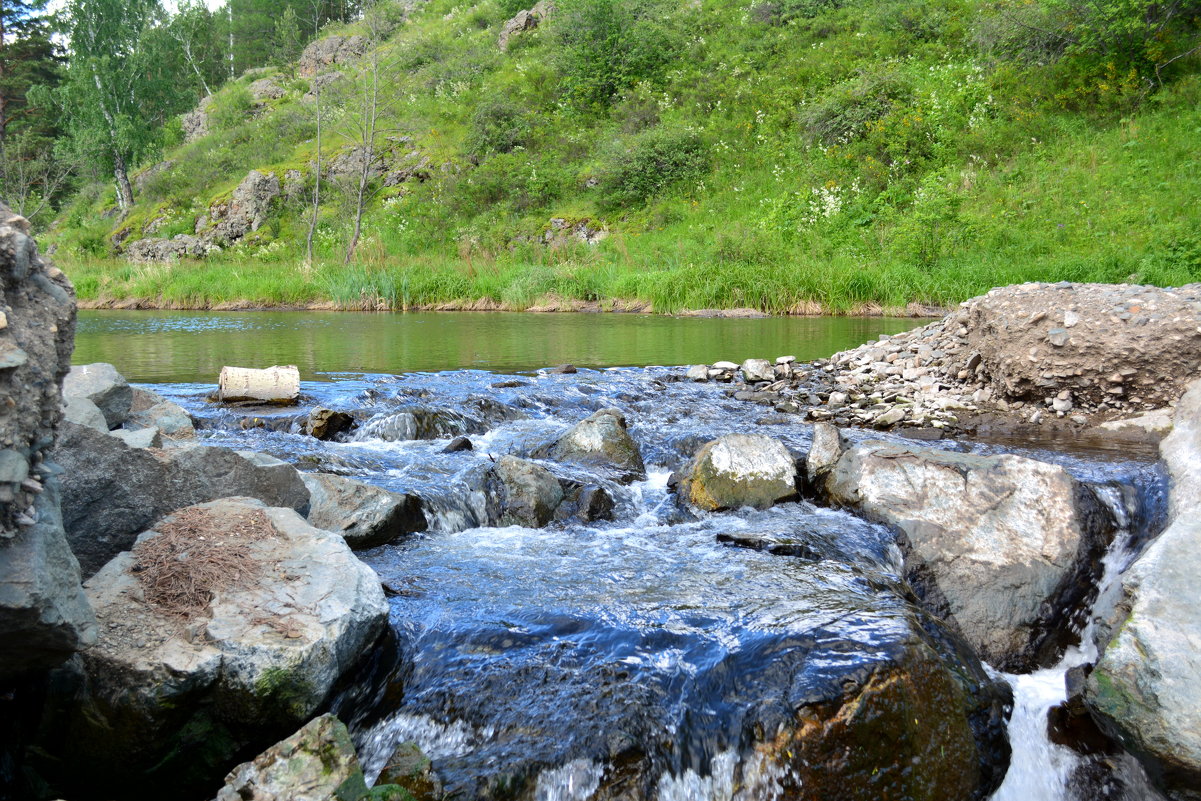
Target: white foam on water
{"points": [[575, 781], [436, 740]]}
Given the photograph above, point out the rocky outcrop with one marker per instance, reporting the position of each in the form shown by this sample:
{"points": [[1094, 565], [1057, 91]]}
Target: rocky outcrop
{"points": [[365, 515], [266, 89], [112, 492], [602, 439], [1007, 546], [1146, 688], [104, 386], [180, 246], [740, 470], [196, 122], [245, 211], [521, 493], [524, 21], [44, 616], [329, 52], [225, 627]]}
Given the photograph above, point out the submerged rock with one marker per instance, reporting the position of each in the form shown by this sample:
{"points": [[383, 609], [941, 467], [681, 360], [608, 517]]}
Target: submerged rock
{"points": [[1146, 688], [365, 515], [327, 424], [237, 644], [1007, 546], [102, 385], [601, 439], [740, 470]]}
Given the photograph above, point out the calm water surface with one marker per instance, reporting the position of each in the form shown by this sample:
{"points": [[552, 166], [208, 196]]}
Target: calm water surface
{"points": [[184, 346]]}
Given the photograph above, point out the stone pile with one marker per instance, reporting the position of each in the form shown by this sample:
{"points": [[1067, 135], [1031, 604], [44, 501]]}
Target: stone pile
{"points": [[1076, 354]]}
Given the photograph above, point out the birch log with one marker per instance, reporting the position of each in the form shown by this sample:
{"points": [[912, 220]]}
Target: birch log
{"points": [[273, 385]]}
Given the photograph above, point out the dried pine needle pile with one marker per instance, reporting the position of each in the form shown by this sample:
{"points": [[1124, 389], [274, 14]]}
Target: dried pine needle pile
{"points": [[197, 552]]}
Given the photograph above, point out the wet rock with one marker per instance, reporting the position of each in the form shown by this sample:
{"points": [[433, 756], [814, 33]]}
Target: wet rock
{"points": [[418, 422], [1146, 688], [317, 763], [327, 424], [365, 515], [601, 439], [44, 616], [409, 768], [81, 411], [824, 452], [168, 417], [102, 385], [698, 372], [758, 370], [1006, 545], [521, 493], [586, 503], [458, 445], [740, 470], [112, 492], [176, 685]]}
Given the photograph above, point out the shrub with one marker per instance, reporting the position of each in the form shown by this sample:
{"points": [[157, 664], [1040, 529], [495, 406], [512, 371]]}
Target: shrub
{"points": [[651, 162], [231, 108], [497, 126], [844, 112], [606, 46]]}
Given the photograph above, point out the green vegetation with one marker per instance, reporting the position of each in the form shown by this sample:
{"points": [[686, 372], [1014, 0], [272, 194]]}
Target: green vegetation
{"points": [[784, 155]]}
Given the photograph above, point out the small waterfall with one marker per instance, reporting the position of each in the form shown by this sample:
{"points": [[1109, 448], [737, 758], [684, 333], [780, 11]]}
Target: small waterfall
{"points": [[1040, 770]]}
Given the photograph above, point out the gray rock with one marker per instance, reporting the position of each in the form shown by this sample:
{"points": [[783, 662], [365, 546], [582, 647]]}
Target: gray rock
{"points": [[740, 470], [1146, 688], [112, 492], [458, 444], [1181, 451], [331, 51], [81, 411], [139, 437], [521, 493], [104, 386], [44, 617], [758, 370], [524, 21], [1008, 546], [365, 515], [824, 451], [604, 439], [43, 613], [698, 372], [245, 211], [326, 424], [168, 417], [262, 656]]}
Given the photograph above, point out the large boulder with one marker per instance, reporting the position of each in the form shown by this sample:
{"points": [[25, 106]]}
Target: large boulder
{"points": [[365, 515], [331, 51], [1146, 688], [224, 628], [521, 493], [602, 439], [43, 613], [741, 470], [1008, 546], [167, 416], [112, 492], [102, 385], [244, 212]]}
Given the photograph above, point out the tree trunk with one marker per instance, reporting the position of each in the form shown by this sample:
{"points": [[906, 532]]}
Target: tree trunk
{"points": [[124, 190], [308, 242]]}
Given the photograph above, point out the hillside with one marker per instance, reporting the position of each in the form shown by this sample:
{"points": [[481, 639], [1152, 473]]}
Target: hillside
{"points": [[789, 155]]}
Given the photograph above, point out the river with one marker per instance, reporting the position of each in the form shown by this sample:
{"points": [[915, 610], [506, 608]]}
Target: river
{"points": [[639, 657]]}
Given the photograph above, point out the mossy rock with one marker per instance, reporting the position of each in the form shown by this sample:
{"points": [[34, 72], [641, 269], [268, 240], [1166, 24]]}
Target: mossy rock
{"points": [[740, 470]]}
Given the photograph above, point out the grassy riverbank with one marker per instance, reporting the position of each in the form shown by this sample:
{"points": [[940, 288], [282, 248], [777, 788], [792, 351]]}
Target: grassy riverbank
{"points": [[846, 156]]}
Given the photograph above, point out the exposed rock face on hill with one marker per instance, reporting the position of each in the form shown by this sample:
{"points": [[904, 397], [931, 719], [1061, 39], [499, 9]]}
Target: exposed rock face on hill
{"points": [[44, 616], [523, 21], [330, 51]]}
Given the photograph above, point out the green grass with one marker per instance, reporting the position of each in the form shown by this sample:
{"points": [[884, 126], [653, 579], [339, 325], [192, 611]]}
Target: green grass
{"points": [[862, 154]]}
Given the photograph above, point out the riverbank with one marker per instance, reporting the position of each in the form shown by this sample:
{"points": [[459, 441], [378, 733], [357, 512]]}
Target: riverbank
{"points": [[805, 288]]}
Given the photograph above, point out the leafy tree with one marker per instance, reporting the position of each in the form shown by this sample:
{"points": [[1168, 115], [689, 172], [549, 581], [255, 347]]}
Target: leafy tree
{"points": [[124, 81], [199, 34]]}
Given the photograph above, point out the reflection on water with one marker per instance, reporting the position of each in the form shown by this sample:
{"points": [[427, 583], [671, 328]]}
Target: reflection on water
{"points": [[183, 346]]}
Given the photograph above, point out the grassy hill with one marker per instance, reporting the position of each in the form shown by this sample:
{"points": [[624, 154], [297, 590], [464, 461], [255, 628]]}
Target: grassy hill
{"points": [[789, 155]]}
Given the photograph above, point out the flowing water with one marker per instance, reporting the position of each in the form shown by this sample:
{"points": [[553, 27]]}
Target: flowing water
{"points": [[649, 656]]}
